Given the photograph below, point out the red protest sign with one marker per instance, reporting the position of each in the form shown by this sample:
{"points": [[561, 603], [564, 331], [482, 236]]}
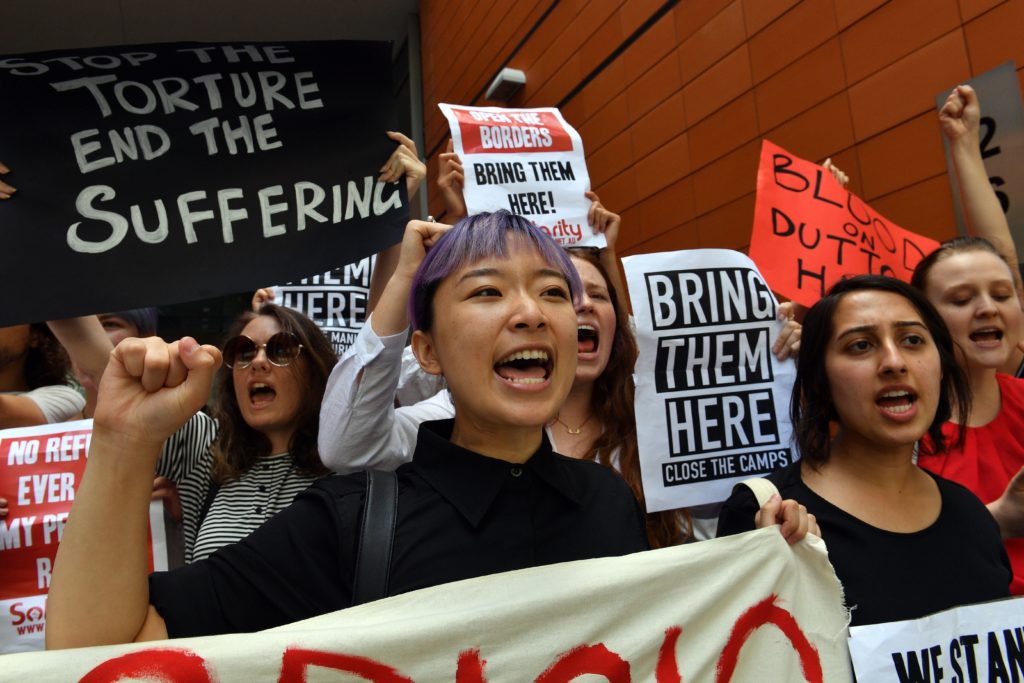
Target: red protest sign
{"points": [[40, 471], [809, 232], [38, 477], [513, 132]]}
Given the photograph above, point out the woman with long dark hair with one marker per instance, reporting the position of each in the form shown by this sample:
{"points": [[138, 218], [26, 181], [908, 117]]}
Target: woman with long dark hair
{"points": [[877, 372], [238, 468]]}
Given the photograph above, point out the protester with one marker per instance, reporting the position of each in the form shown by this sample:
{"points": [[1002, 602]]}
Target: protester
{"points": [[360, 426], [878, 362], [34, 371], [974, 283], [238, 468], [972, 286], [501, 290]]}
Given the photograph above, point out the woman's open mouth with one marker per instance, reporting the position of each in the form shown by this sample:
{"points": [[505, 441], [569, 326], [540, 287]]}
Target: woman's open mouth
{"points": [[987, 335], [587, 339], [897, 402], [531, 366], [261, 394]]}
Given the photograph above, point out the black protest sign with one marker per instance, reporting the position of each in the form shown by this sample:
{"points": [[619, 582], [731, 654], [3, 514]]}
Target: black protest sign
{"points": [[155, 174], [336, 300]]}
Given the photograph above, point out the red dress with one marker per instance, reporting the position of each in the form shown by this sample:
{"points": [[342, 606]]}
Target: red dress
{"points": [[990, 457]]}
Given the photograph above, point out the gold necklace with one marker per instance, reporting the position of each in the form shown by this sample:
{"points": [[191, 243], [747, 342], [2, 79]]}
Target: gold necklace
{"points": [[578, 430]]}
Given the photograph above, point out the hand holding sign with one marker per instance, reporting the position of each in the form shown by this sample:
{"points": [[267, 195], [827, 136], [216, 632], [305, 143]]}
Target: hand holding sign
{"points": [[602, 220], [5, 190], [151, 388], [404, 161], [450, 180], [794, 520], [787, 344]]}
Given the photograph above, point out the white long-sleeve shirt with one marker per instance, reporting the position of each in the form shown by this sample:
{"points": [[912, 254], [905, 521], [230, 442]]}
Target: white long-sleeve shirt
{"points": [[360, 427]]}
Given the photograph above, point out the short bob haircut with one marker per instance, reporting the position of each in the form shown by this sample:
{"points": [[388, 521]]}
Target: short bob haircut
{"points": [[238, 445], [477, 237], [812, 409], [950, 248]]}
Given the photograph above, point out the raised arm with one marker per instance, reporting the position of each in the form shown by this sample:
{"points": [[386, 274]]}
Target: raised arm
{"points": [[960, 120], [604, 221], [359, 426], [99, 593], [404, 161]]}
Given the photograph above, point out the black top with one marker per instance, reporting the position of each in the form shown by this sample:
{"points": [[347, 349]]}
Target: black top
{"points": [[889, 576], [460, 515]]}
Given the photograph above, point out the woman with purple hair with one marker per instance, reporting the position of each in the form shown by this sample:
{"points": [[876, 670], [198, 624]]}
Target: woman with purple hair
{"points": [[493, 312]]}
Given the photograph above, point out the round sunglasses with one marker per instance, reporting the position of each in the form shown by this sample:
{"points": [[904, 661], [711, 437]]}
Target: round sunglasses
{"points": [[281, 349]]}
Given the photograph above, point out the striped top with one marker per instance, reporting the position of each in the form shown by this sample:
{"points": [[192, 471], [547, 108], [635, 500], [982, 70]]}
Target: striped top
{"points": [[241, 505]]}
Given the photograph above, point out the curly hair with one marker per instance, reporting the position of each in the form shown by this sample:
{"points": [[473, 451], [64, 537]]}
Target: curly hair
{"points": [[612, 403], [812, 409], [46, 362], [238, 445]]}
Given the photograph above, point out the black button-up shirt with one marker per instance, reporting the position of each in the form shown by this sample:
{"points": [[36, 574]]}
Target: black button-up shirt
{"points": [[460, 515]]}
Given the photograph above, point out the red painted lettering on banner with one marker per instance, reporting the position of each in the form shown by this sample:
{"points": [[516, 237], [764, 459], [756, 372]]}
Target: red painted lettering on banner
{"points": [[162, 665], [470, 668], [587, 659], [667, 670], [764, 613], [511, 132], [297, 660]]}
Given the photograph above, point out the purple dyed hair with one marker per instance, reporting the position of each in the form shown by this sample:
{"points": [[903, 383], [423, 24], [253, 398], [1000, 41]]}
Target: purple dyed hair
{"points": [[483, 235]]}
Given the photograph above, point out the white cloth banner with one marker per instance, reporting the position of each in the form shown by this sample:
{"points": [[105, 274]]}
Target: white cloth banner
{"points": [[528, 161], [712, 401], [743, 608], [40, 470], [972, 644]]}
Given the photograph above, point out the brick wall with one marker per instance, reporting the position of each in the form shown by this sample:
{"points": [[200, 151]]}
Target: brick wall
{"points": [[672, 98]]}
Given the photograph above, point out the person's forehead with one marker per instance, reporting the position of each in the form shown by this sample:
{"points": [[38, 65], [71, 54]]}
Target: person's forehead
{"points": [[872, 308], [261, 328], [588, 272]]}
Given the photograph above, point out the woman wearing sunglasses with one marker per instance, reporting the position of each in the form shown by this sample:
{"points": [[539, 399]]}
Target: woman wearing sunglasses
{"points": [[263, 450]]}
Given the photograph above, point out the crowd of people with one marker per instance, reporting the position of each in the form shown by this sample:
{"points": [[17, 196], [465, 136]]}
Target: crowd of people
{"points": [[494, 377]]}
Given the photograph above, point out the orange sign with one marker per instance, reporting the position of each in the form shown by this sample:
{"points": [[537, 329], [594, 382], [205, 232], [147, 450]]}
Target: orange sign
{"points": [[810, 232]]}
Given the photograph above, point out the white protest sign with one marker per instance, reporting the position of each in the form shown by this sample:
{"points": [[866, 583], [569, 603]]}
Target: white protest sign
{"points": [[40, 470], [336, 300], [1002, 146], [527, 161], [712, 401], [971, 644], [742, 608]]}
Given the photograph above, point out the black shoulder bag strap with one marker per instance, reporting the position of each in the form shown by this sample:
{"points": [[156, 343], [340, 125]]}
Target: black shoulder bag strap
{"points": [[376, 537]]}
